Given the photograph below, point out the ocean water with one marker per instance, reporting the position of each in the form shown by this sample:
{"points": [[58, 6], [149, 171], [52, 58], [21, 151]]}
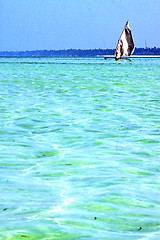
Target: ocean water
{"points": [[80, 149]]}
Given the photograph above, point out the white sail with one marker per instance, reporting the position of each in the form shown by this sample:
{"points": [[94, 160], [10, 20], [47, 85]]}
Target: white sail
{"points": [[125, 46]]}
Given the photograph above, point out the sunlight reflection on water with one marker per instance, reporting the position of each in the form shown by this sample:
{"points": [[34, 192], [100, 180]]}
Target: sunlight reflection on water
{"points": [[79, 148]]}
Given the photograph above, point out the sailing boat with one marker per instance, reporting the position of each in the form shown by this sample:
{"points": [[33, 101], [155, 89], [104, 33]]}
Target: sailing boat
{"points": [[125, 46]]}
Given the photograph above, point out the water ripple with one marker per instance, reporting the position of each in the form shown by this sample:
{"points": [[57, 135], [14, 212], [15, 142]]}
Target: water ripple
{"points": [[80, 149]]}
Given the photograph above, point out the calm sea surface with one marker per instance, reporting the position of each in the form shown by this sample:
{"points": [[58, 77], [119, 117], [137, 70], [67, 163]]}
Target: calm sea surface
{"points": [[80, 149]]}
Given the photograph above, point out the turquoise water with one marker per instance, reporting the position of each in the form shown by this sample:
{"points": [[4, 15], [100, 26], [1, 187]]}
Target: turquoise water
{"points": [[80, 149]]}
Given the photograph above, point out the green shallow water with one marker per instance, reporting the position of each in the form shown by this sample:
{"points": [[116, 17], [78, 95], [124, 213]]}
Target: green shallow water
{"points": [[80, 142]]}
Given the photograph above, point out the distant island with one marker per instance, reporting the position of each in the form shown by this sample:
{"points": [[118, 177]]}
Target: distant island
{"points": [[75, 52]]}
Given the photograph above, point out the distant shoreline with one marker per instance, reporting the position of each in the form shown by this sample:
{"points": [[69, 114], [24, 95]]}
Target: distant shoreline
{"points": [[139, 52], [98, 56]]}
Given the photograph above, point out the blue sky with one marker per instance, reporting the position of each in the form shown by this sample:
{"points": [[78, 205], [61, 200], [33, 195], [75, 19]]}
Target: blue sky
{"points": [[80, 24]]}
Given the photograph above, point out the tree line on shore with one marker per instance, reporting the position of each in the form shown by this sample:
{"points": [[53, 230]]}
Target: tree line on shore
{"points": [[75, 52]]}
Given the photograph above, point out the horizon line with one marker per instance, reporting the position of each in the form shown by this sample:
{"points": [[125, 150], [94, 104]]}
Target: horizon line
{"points": [[71, 49]]}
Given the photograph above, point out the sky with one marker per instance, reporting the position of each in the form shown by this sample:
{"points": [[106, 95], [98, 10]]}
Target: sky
{"points": [[77, 24]]}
